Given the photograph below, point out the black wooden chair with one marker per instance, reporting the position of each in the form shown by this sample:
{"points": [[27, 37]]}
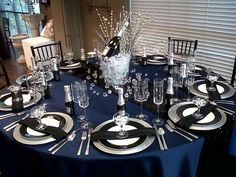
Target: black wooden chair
{"points": [[182, 46], [3, 74], [7, 33], [47, 51], [233, 73]]}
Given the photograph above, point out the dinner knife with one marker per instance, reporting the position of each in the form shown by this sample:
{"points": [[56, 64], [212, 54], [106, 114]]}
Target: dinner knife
{"points": [[158, 138], [88, 143]]}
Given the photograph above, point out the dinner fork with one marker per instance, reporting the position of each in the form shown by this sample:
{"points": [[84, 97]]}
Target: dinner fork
{"points": [[83, 138], [175, 127], [11, 115], [88, 143]]}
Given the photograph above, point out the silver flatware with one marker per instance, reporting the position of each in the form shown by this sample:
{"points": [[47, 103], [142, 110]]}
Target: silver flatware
{"points": [[14, 124], [83, 138], [158, 138], [63, 140], [231, 112], [88, 143], [173, 130], [161, 132], [11, 115], [70, 137], [175, 127]]}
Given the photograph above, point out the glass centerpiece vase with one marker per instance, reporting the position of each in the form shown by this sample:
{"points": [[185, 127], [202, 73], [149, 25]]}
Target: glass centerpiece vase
{"points": [[115, 73]]}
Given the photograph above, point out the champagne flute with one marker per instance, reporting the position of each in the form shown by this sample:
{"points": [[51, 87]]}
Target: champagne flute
{"points": [[141, 94], [158, 89], [80, 96]]}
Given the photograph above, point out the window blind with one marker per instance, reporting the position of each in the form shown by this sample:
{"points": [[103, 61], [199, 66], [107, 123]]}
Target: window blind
{"points": [[211, 22]]}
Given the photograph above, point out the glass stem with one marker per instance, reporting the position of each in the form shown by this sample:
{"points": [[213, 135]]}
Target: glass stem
{"points": [[158, 112], [85, 113], [141, 107]]}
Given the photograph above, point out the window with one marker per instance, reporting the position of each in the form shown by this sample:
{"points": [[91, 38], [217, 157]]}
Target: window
{"points": [[211, 22], [13, 9]]}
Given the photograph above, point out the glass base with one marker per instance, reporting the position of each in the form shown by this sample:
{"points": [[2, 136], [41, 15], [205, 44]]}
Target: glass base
{"points": [[70, 71], [122, 134], [198, 115], [142, 116], [158, 121], [86, 125], [41, 126], [212, 89]]}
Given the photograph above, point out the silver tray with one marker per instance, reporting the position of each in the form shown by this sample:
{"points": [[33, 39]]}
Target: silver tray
{"points": [[124, 151], [199, 89], [47, 139], [26, 105], [21, 79], [212, 121]]}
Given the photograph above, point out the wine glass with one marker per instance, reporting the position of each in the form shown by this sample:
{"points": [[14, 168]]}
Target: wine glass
{"points": [[141, 94], [80, 96], [69, 55], [212, 77], [38, 112], [199, 102], [121, 119], [158, 88]]}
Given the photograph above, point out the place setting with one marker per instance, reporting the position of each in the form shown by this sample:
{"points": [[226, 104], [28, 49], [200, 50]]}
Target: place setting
{"points": [[41, 127]]}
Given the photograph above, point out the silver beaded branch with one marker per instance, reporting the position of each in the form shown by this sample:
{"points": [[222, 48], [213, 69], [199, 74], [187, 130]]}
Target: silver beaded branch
{"points": [[130, 38]]}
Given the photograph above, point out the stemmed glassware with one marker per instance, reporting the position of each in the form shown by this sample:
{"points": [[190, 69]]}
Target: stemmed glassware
{"points": [[190, 77], [158, 89], [69, 55], [177, 81], [121, 119], [199, 102], [80, 96], [38, 112], [212, 77], [141, 94]]}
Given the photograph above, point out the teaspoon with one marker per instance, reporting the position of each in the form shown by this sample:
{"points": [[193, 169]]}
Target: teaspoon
{"points": [[161, 132]]}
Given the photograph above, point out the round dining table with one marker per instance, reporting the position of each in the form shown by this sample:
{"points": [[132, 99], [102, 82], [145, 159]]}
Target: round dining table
{"points": [[181, 159]]}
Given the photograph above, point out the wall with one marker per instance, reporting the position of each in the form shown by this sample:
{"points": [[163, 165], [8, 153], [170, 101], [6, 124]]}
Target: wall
{"points": [[82, 22], [89, 20]]}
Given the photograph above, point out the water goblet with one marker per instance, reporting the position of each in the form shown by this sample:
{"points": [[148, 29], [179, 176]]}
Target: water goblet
{"points": [[141, 94], [199, 102], [212, 77], [38, 112], [121, 119], [158, 89]]}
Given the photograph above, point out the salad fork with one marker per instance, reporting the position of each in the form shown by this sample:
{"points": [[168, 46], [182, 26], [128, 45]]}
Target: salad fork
{"points": [[83, 138], [173, 130]]}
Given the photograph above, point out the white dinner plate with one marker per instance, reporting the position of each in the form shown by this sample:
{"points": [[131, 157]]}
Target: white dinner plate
{"points": [[125, 146], [213, 120], [5, 104], [31, 141]]}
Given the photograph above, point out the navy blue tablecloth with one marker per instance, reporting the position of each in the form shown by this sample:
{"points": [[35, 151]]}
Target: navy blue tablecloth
{"points": [[16, 159]]}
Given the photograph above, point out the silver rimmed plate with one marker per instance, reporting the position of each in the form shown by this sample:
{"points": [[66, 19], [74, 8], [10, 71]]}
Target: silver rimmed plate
{"points": [[125, 146], [37, 138], [28, 100], [21, 79], [213, 120], [199, 89], [74, 65]]}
